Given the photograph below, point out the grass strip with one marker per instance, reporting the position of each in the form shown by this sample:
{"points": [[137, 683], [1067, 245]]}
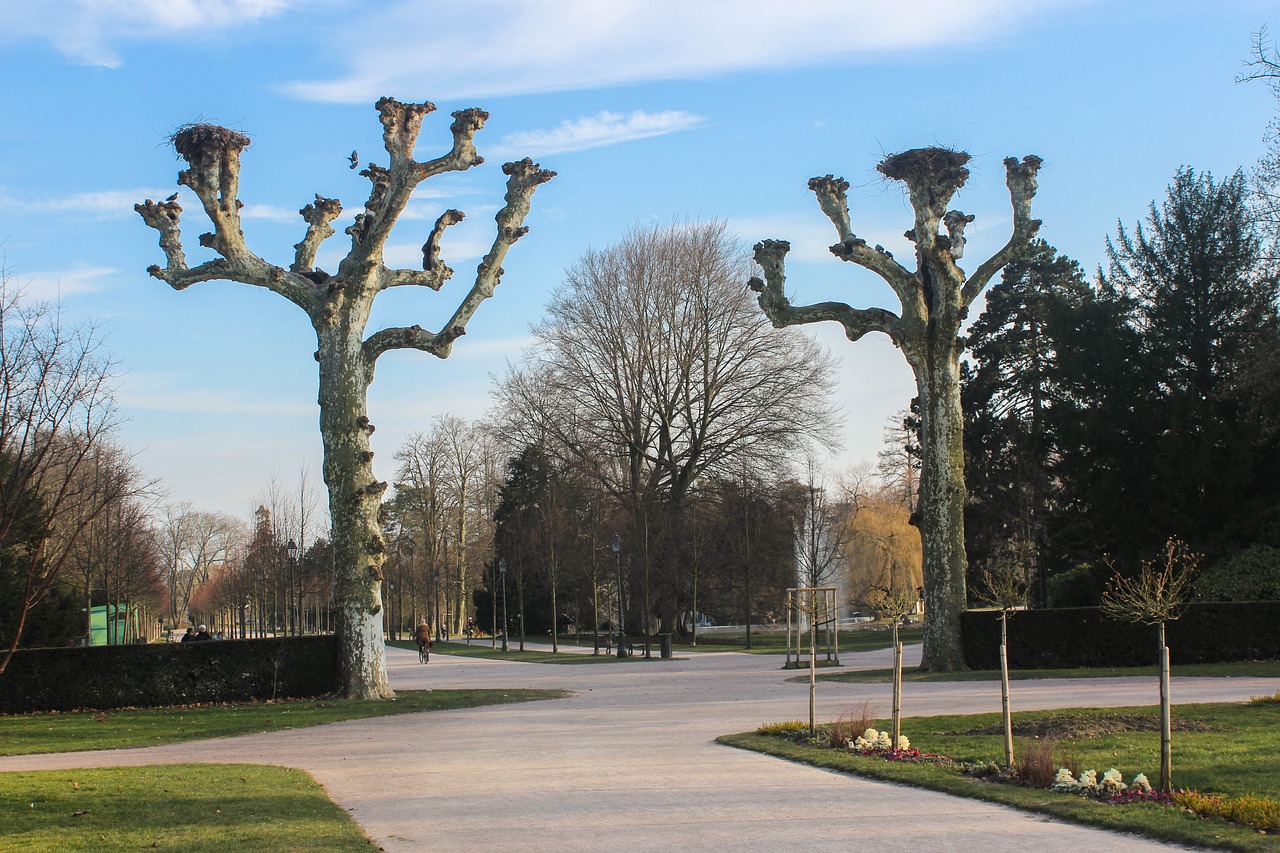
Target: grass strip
{"points": [[1220, 748], [1237, 669], [191, 807], [476, 650], [31, 734], [859, 640]]}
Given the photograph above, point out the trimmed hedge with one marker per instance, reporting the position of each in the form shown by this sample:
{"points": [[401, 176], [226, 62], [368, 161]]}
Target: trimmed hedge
{"points": [[160, 674], [1208, 632]]}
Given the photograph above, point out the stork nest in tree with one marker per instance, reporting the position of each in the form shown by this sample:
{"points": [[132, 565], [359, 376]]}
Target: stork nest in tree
{"points": [[934, 165], [192, 141]]}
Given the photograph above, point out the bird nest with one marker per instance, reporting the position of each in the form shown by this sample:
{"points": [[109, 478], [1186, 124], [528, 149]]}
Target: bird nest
{"points": [[195, 141], [937, 165]]}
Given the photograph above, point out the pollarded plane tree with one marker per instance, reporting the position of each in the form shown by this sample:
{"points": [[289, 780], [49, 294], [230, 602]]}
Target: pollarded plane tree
{"points": [[934, 301], [338, 307]]}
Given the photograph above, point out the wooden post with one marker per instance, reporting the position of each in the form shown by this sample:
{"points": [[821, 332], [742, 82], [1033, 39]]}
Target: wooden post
{"points": [[1166, 734], [813, 664], [1004, 690], [897, 688]]}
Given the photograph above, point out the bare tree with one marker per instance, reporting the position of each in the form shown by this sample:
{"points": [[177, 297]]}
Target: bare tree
{"points": [[56, 411], [1264, 66], [1156, 595], [338, 307], [653, 370], [823, 531], [1004, 587], [114, 552], [465, 464], [934, 301], [191, 543], [894, 603]]}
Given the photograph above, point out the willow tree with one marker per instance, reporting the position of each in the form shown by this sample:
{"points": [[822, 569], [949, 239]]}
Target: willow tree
{"points": [[338, 307], [934, 300]]}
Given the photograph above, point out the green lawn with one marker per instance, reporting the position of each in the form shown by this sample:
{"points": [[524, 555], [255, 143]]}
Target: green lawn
{"points": [[188, 807], [861, 640], [1255, 669], [133, 727], [481, 649], [1220, 748]]}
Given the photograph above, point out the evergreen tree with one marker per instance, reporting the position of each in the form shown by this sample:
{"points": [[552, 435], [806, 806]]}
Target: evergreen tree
{"points": [[1039, 397], [1204, 302]]}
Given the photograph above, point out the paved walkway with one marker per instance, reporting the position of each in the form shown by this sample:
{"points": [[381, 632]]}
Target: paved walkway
{"points": [[628, 762]]}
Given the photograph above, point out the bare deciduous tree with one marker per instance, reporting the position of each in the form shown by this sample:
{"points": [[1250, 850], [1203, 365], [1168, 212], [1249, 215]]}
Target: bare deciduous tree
{"points": [[1157, 594], [56, 412], [191, 544], [338, 307], [934, 300], [1004, 587], [115, 551], [653, 369]]}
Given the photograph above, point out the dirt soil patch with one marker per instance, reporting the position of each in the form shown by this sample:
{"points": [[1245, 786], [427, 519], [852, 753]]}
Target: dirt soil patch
{"points": [[1089, 725]]}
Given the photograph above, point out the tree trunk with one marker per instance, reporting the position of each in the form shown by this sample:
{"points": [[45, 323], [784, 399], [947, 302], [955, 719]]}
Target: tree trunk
{"points": [[942, 499], [354, 498]]}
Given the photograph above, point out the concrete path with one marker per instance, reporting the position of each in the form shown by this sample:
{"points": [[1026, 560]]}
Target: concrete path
{"points": [[628, 762]]}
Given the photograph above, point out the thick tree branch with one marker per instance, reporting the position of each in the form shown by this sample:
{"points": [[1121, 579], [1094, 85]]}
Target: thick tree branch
{"points": [[955, 223], [523, 178], [213, 157], [1020, 177], [317, 216], [434, 272], [832, 197], [392, 187], [771, 255]]}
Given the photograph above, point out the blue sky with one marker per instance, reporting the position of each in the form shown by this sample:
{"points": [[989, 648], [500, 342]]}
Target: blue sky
{"points": [[648, 109]]}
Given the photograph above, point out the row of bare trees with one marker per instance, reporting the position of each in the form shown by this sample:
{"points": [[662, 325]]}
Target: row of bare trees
{"points": [[654, 375], [71, 501], [440, 524]]}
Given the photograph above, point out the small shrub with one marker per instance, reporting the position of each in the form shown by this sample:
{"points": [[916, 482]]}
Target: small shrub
{"points": [[1034, 765], [849, 726], [1262, 813], [783, 729], [1273, 699], [1070, 759]]}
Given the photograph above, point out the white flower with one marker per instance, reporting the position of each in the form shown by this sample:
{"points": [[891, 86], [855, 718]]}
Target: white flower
{"points": [[871, 735], [903, 743], [1089, 780], [1141, 783], [1064, 781], [1112, 782], [886, 740]]}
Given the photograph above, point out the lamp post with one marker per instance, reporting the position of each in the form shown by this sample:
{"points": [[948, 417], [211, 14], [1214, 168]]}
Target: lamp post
{"points": [[616, 545], [293, 588], [435, 604], [502, 570]]}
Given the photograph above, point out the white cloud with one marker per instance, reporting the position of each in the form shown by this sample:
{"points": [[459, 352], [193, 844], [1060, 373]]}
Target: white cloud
{"points": [[164, 392], [85, 30], [505, 47], [270, 213], [103, 204], [54, 285], [604, 128]]}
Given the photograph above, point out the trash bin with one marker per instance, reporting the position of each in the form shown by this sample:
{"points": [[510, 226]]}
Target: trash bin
{"points": [[664, 643]]}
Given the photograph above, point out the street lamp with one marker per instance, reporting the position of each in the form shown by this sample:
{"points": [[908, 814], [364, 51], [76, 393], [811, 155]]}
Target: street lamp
{"points": [[293, 587], [502, 570], [622, 633]]}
